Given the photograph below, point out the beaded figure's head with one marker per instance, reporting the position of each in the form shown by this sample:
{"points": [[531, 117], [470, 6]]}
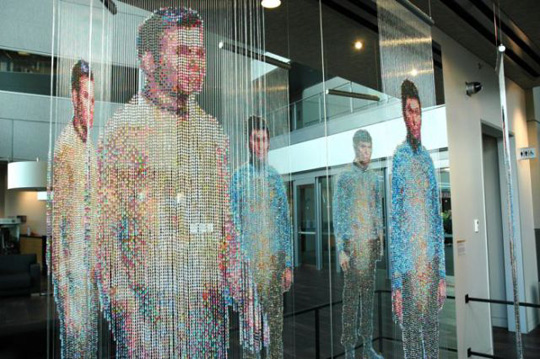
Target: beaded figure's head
{"points": [[362, 147], [412, 109], [171, 51], [258, 136], [82, 97]]}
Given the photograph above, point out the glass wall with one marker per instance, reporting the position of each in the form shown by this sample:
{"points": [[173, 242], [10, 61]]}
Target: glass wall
{"points": [[195, 239]]}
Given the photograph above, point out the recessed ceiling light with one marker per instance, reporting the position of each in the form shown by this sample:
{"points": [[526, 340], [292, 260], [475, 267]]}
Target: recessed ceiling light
{"points": [[358, 45], [270, 4], [414, 72]]}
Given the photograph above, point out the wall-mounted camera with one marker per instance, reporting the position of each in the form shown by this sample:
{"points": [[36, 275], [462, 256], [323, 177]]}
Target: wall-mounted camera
{"points": [[472, 87]]}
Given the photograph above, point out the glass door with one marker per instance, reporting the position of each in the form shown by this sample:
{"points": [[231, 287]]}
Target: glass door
{"points": [[307, 241]]}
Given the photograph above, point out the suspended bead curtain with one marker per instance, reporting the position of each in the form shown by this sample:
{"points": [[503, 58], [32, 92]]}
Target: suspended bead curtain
{"points": [[405, 51], [154, 108]]}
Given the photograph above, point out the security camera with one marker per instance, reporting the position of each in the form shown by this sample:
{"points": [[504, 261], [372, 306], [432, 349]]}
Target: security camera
{"points": [[472, 87]]}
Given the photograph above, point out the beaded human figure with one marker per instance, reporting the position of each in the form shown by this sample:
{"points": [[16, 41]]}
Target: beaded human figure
{"points": [[166, 236], [71, 245], [417, 237], [262, 221], [359, 232]]}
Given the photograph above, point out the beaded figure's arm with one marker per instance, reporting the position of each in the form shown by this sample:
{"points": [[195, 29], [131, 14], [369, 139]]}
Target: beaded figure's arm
{"points": [[62, 177], [230, 254], [243, 293], [341, 215], [91, 212], [284, 221], [108, 221], [396, 238], [437, 228], [236, 199], [379, 214]]}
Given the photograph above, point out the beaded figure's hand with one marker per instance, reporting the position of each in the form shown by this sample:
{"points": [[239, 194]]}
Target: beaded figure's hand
{"points": [[287, 279], [442, 293], [344, 260], [397, 303], [381, 246]]}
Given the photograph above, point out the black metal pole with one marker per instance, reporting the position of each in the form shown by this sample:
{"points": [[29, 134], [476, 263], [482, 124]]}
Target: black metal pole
{"points": [[317, 335], [497, 301], [470, 353], [379, 308]]}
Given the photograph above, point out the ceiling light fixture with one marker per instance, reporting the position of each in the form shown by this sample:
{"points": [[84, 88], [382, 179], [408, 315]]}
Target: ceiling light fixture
{"points": [[270, 4], [358, 45], [414, 72]]}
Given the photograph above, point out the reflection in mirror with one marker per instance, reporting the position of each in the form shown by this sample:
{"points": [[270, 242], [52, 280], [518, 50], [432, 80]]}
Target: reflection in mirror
{"points": [[359, 232], [261, 217]]}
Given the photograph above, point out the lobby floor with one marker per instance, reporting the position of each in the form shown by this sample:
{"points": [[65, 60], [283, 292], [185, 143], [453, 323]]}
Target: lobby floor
{"points": [[23, 324]]}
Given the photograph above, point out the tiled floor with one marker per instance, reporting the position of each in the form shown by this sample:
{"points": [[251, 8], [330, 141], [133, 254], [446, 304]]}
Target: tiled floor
{"points": [[23, 324]]}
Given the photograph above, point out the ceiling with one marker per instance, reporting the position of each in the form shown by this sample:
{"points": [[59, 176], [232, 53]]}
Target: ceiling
{"points": [[293, 31], [526, 14], [471, 23]]}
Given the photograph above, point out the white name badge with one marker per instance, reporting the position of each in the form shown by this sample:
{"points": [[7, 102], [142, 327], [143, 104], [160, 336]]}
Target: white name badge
{"points": [[200, 228], [180, 198]]}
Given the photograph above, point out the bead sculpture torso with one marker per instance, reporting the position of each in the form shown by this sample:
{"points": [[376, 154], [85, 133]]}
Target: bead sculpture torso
{"points": [[71, 246], [164, 223]]}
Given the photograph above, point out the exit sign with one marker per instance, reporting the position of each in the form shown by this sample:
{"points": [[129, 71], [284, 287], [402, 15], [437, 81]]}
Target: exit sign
{"points": [[527, 153]]}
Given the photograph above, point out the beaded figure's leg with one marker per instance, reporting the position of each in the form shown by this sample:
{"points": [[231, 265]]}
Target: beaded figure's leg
{"points": [[351, 301], [274, 310], [412, 321], [431, 319], [262, 290], [367, 292], [247, 354]]}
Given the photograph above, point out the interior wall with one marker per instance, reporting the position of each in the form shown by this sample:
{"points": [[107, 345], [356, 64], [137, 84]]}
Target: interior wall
{"points": [[465, 117], [516, 105], [33, 34], [3, 187], [25, 32], [26, 204], [25, 123], [533, 127]]}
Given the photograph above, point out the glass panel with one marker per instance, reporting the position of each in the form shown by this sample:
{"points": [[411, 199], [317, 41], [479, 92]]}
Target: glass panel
{"points": [[368, 206], [308, 111], [303, 173], [293, 32]]}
